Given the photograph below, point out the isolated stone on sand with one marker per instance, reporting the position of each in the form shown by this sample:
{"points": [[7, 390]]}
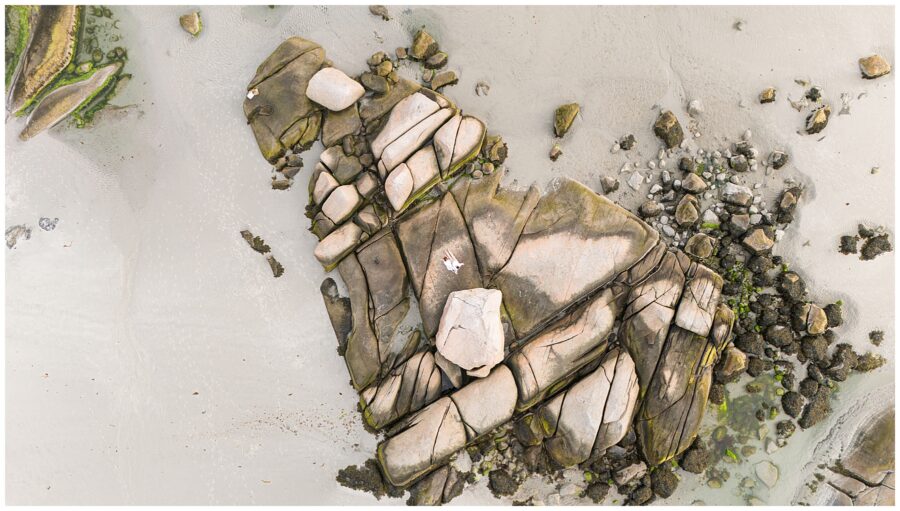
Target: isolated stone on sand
{"points": [[668, 129], [874, 66], [191, 23], [564, 117]]}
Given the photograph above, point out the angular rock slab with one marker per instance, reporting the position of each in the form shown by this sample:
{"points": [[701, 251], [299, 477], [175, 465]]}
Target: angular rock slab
{"points": [[594, 414], [547, 361], [496, 217], [470, 334], [407, 389], [574, 243], [870, 457], [430, 238], [408, 112], [276, 96], [428, 438], [675, 400], [388, 286]]}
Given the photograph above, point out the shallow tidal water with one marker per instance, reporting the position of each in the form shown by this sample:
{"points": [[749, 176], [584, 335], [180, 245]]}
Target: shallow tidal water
{"points": [[148, 347]]}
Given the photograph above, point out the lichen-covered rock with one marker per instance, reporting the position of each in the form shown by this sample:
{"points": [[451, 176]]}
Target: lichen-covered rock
{"points": [[337, 125], [276, 99], [58, 104], [565, 252], [668, 129], [50, 49], [438, 487], [470, 333], [676, 397], [333, 89], [564, 117], [564, 347], [191, 23], [594, 413]]}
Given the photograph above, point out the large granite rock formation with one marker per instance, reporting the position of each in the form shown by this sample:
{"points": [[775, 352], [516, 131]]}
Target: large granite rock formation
{"points": [[604, 328]]}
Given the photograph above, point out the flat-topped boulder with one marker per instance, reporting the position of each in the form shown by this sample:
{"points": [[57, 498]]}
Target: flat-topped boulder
{"points": [[574, 242]]}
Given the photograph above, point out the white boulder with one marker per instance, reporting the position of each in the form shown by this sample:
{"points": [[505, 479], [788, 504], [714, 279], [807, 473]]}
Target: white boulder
{"points": [[470, 333], [333, 89]]}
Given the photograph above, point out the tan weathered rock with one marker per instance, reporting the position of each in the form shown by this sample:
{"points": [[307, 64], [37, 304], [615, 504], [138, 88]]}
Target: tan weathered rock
{"points": [[698, 301], [423, 46], [337, 125], [470, 334], [191, 23], [333, 89], [767, 95], [565, 252], [341, 203], [693, 183], [688, 210], [325, 184], [423, 167], [817, 120], [816, 320], [564, 117], [407, 389], [338, 244], [594, 413], [700, 245], [874, 66], [399, 150], [563, 348], [758, 242]]}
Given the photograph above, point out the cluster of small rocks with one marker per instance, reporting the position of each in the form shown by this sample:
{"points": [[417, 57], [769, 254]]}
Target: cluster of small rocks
{"points": [[874, 243]]}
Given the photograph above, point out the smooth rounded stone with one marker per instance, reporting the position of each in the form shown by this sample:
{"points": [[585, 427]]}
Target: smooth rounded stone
{"points": [[333, 89], [57, 105], [423, 167], [399, 150], [668, 129], [565, 253], [564, 117], [407, 389], [191, 23], [325, 184], [563, 348], [595, 413], [470, 333], [767, 472], [406, 114], [341, 203], [50, 49], [399, 186], [693, 183], [430, 437], [445, 140], [874, 66], [700, 245], [338, 244], [758, 242]]}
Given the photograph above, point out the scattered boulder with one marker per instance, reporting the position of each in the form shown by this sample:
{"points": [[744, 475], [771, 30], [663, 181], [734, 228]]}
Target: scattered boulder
{"points": [[758, 241], [700, 245], [817, 409], [564, 117], [380, 10], [767, 472], [767, 95], [818, 119], [423, 46], [875, 246], [333, 89], [444, 79], [609, 184], [191, 23], [792, 402], [874, 66], [696, 459], [688, 211], [502, 484], [627, 142], [693, 183], [668, 129]]}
